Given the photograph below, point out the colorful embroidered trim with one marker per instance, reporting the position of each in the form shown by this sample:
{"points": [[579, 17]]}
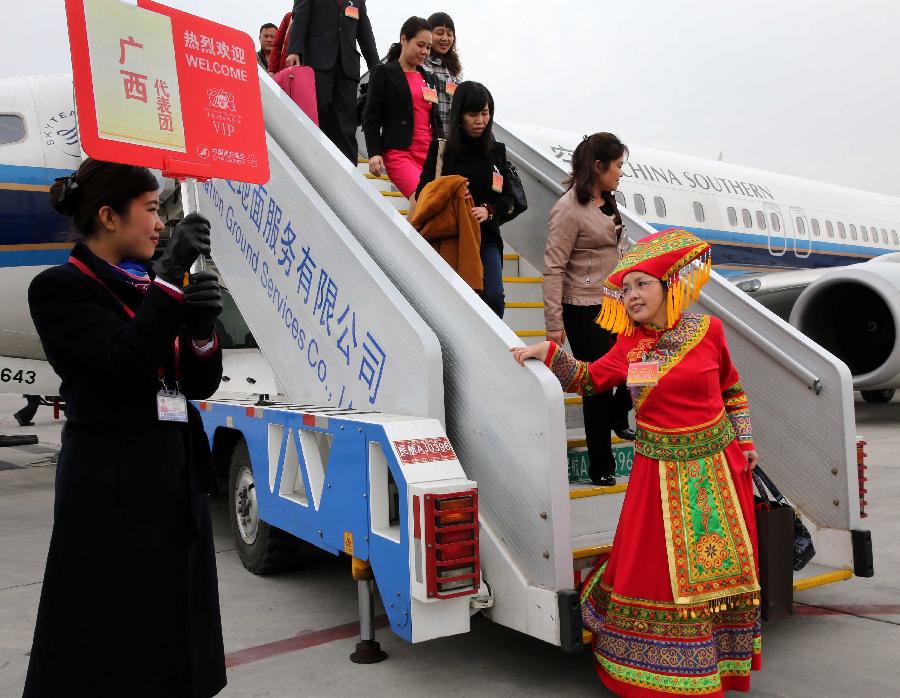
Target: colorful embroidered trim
{"points": [[650, 644], [573, 374], [738, 409], [672, 346], [709, 550], [687, 445]]}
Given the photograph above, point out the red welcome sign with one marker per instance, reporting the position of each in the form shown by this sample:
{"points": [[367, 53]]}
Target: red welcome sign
{"points": [[162, 88]]}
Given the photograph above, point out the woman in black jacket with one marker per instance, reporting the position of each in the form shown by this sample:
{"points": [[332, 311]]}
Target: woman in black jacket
{"points": [[129, 605], [472, 152], [401, 109]]}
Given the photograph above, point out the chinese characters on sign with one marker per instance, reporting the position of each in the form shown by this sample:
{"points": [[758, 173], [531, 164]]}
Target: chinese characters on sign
{"points": [[162, 88], [325, 320], [134, 74], [425, 450]]}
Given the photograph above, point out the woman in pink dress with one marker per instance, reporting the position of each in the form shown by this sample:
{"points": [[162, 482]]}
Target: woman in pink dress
{"points": [[400, 114]]}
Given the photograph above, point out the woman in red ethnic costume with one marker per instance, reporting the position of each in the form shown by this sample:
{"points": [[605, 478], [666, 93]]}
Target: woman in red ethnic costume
{"points": [[675, 608]]}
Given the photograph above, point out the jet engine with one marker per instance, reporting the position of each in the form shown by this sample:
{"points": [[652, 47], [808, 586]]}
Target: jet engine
{"points": [[854, 312]]}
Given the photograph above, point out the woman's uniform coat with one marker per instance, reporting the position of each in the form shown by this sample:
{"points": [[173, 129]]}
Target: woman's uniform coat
{"points": [[129, 605]]}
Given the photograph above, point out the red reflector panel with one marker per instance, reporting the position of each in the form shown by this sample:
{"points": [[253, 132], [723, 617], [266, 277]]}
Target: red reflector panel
{"points": [[451, 532]]}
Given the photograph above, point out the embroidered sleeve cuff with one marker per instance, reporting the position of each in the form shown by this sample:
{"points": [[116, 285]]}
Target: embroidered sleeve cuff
{"points": [[171, 289], [746, 443], [551, 354], [207, 348]]}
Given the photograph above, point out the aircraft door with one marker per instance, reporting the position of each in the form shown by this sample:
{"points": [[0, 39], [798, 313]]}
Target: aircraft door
{"points": [[802, 232], [777, 229]]}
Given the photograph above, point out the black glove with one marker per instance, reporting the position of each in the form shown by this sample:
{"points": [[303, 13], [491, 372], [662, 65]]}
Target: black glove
{"points": [[190, 239], [203, 302]]}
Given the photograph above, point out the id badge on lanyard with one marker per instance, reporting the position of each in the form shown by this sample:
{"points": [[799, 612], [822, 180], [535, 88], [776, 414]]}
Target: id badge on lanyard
{"points": [[497, 181], [430, 94], [171, 405], [351, 11], [642, 373]]}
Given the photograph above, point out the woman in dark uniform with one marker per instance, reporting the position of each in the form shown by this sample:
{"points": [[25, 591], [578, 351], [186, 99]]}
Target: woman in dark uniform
{"points": [[129, 605]]}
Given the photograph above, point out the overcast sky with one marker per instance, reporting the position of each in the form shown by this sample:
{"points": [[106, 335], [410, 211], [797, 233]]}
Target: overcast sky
{"points": [[794, 86]]}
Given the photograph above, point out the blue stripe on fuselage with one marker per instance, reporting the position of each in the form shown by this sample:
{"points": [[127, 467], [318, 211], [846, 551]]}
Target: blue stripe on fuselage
{"points": [[26, 217], [748, 249]]}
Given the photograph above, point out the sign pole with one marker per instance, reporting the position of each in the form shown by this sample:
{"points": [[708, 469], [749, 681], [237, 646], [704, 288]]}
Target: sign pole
{"points": [[190, 203]]}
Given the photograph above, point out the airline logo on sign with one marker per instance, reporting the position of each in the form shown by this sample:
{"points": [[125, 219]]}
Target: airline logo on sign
{"points": [[162, 88], [425, 450]]}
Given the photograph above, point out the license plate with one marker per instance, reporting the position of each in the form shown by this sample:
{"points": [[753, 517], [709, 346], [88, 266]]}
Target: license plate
{"points": [[579, 462]]}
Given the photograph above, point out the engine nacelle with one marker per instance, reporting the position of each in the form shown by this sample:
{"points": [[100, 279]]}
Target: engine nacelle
{"points": [[854, 312]]}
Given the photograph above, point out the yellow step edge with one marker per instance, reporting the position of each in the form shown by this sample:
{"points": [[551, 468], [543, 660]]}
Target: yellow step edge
{"points": [[523, 279], [592, 551], [393, 193], [511, 257], [573, 400], [820, 580], [586, 637], [582, 443], [583, 492], [403, 211], [383, 178], [523, 304], [362, 161], [531, 333]]}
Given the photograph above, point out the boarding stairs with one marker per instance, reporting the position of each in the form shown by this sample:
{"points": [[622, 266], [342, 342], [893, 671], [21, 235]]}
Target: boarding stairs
{"points": [[511, 427], [595, 510]]}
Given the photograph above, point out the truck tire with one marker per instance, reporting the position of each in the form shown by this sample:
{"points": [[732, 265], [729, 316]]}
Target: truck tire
{"points": [[877, 396], [263, 549]]}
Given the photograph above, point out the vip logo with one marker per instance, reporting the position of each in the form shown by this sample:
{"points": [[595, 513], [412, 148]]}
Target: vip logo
{"points": [[221, 99]]}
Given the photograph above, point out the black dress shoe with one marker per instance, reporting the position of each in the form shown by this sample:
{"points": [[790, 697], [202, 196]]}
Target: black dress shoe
{"points": [[626, 433], [23, 422], [604, 481]]}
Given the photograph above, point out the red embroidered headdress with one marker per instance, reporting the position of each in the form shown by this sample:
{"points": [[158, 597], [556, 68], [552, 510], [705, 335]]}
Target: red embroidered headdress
{"points": [[675, 256]]}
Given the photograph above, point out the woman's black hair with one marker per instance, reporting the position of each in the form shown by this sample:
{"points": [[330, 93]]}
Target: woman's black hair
{"points": [[97, 184], [451, 58], [605, 147], [409, 30], [470, 98]]}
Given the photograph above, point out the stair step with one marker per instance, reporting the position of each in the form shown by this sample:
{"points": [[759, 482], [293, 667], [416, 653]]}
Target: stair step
{"points": [[362, 161], [591, 551], [511, 257], [523, 279], [573, 400], [383, 178], [524, 304], [395, 194], [579, 491], [531, 333]]}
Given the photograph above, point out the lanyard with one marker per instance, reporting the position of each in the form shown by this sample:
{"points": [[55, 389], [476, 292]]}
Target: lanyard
{"points": [[88, 272]]}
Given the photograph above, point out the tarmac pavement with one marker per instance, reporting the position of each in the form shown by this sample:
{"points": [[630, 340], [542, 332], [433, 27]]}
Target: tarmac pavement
{"points": [[291, 635]]}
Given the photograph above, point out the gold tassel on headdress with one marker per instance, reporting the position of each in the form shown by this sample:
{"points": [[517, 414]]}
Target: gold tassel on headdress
{"points": [[684, 287], [613, 315]]}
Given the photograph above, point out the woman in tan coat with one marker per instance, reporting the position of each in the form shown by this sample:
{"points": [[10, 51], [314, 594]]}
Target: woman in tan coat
{"points": [[583, 245]]}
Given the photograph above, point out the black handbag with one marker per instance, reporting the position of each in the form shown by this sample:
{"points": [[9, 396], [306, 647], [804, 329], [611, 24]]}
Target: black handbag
{"points": [[520, 202], [804, 550]]}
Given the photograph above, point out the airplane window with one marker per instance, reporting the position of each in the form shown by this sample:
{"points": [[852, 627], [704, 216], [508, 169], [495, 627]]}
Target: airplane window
{"points": [[830, 229], [776, 222], [801, 226], [884, 236], [865, 233], [660, 206], [894, 237], [12, 129], [698, 212], [732, 216], [815, 227], [852, 230], [761, 220], [748, 219], [639, 204], [620, 198]]}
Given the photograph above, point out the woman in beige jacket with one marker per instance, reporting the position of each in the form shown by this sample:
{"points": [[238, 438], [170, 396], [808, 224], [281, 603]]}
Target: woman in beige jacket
{"points": [[583, 245]]}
